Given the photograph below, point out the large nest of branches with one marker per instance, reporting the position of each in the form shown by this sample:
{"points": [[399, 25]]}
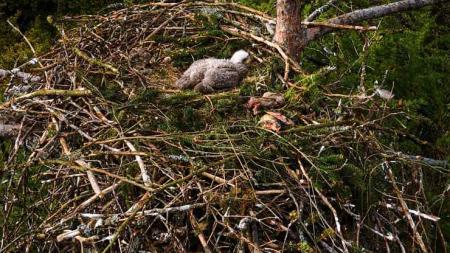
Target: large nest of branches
{"points": [[107, 155]]}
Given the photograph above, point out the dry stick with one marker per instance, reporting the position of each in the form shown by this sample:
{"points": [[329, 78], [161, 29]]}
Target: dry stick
{"points": [[389, 237], [61, 208], [417, 213], [319, 126], [31, 47], [194, 4], [144, 174], [362, 80], [91, 176], [237, 234], [86, 57], [43, 68], [151, 212], [217, 179], [147, 197], [124, 224], [328, 204], [46, 92], [85, 135], [270, 192], [100, 171], [44, 137], [341, 26], [68, 235], [405, 209], [286, 71], [254, 233], [81, 132], [94, 61], [200, 234], [100, 115], [250, 15], [348, 96], [23, 36], [161, 26], [239, 33], [248, 9], [401, 133], [90, 240], [100, 193], [64, 145], [142, 137], [118, 153], [419, 159], [87, 202]]}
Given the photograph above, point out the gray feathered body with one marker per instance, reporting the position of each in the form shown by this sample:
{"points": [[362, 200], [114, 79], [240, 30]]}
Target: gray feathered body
{"points": [[211, 74]]}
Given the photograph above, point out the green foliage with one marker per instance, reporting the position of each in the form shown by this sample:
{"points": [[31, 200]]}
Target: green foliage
{"points": [[267, 6], [409, 55], [266, 175], [146, 96], [112, 91], [5, 148], [24, 198], [304, 247], [443, 143], [16, 50], [419, 68]]}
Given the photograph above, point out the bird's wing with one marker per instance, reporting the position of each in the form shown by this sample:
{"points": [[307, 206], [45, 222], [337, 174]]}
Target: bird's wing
{"points": [[221, 77], [193, 75], [197, 70]]}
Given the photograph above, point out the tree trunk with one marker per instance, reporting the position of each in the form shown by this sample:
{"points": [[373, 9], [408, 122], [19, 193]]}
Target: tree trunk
{"points": [[289, 33], [294, 38]]}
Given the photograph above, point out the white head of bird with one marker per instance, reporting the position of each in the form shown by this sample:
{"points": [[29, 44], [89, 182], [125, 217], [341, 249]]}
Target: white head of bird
{"points": [[239, 56]]}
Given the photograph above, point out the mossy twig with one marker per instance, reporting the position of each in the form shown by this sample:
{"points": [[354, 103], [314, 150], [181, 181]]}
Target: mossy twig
{"points": [[46, 92]]}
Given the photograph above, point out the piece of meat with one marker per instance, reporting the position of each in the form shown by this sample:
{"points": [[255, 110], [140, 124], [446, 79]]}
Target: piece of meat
{"points": [[269, 100]]}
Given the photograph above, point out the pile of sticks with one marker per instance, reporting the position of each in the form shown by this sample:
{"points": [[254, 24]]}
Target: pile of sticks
{"points": [[87, 170]]}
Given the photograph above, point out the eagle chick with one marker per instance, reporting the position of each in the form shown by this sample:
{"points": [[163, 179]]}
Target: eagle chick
{"points": [[209, 75]]}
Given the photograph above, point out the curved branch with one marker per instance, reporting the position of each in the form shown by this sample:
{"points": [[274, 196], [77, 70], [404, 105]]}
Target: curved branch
{"points": [[369, 13], [315, 14]]}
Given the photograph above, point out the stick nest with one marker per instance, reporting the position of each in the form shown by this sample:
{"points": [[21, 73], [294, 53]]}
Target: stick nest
{"points": [[109, 156]]}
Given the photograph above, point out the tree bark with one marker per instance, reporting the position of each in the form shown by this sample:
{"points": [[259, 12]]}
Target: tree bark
{"points": [[289, 33], [368, 13]]}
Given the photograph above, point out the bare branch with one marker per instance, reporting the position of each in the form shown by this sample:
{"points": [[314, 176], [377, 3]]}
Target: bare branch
{"points": [[144, 174], [315, 14], [236, 32], [369, 13], [405, 209], [340, 26]]}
